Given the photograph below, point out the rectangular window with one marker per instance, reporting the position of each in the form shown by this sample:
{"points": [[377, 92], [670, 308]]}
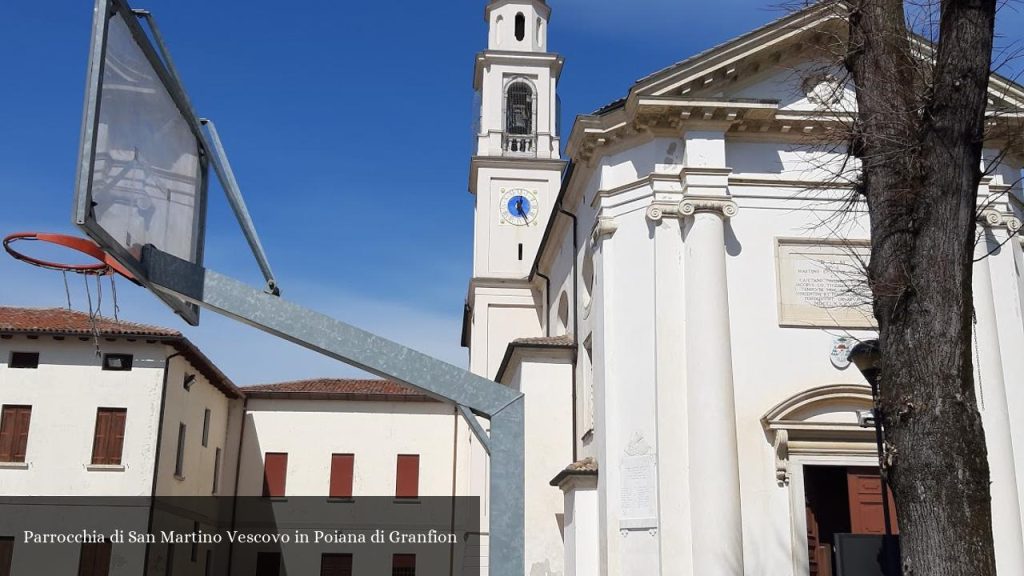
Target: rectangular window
{"points": [[24, 360], [206, 427], [194, 554], [94, 559], [14, 422], [208, 570], [336, 565], [216, 472], [169, 565], [268, 564], [407, 482], [108, 441], [117, 362], [342, 466], [179, 459], [403, 565], [275, 472], [6, 554]]}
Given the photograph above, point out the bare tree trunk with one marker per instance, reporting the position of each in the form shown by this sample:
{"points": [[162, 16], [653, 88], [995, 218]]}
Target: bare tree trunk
{"points": [[919, 136]]}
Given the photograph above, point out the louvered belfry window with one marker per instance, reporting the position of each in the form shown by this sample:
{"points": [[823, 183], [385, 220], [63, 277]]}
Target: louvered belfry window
{"points": [[519, 109]]}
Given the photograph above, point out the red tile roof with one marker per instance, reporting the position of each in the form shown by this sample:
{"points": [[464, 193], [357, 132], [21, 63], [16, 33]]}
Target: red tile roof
{"points": [[338, 389], [63, 322]]}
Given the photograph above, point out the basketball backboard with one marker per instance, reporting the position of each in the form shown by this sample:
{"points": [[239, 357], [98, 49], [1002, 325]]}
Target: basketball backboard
{"points": [[143, 161]]}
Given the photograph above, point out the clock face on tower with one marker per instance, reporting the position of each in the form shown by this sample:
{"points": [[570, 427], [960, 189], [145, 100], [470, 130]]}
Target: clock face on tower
{"points": [[518, 206]]}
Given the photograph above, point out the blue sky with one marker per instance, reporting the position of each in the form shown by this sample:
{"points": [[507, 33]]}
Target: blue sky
{"points": [[349, 127]]}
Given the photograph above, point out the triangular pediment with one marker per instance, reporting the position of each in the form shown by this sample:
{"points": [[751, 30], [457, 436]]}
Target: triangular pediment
{"points": [[778, 61]]}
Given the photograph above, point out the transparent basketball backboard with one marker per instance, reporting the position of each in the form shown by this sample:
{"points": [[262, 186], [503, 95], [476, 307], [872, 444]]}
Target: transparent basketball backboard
{"points": [[143, 163]]}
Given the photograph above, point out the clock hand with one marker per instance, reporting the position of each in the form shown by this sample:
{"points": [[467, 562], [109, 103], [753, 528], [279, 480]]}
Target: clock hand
{"points": [[519, 208]]}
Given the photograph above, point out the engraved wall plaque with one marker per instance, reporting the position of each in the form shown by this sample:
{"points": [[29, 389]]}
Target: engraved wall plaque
{"points": [[823, 284], [638, 496]]}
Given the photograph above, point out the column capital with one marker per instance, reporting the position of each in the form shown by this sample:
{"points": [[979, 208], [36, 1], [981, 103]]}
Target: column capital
{"points": [[993, 218], [722, 205]]}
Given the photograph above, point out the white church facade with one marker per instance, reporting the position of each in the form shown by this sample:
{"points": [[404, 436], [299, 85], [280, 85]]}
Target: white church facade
{"points": [[674, 286]]}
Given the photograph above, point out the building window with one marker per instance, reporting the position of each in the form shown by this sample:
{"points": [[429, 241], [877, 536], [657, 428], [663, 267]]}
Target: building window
{"points": [[94, 559], [206, 427], [342, 467], [268, 564], [179, 459], [194, 554], [24, 360], [6, 554], [169, 565], [403, 565], [407, 482], [14, 422], [275, 473], [216, 472], [519, 109], [520, 27], [336, 565], [117, 362], [563, 314], [108, 441], [208, 569]]}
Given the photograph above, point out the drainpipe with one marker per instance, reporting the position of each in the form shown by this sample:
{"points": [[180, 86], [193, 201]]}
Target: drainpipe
{"points": [[156, 456], [238, 469], [575, 327], [455, 464]]}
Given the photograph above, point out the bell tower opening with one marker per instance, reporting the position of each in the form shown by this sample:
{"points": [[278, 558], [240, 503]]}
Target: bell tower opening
{"points": [[520, 27]]}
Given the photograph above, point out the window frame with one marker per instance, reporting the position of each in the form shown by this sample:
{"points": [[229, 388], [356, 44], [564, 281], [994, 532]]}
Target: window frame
{"points": [[179, 455], [102, 454], [345, 487], [268, 489], [405, 494], [127, 361], [207, 414], [11, 433], [30, 365]]}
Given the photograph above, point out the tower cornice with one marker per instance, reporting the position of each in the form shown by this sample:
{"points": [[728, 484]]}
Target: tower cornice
{"points": [[541, 7], [549, 60], [478, 162]]}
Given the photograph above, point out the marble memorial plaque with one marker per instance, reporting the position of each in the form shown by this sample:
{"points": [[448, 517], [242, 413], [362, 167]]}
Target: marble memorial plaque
{"points": [[823, 284], [638, 496]]}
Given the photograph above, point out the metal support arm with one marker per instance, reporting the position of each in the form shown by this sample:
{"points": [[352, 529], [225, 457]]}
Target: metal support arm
{"points": [[386, 359]]}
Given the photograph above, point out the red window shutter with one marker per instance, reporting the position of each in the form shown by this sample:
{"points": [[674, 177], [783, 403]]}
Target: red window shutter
{"points": [[342, 466], [23, 418], [115, 439], [7, 434], [403, 565], [14, 423], [407, 483], [99, 442], [94, 559], [275, 472], [336, 565], [6, 555], [268, 564]]}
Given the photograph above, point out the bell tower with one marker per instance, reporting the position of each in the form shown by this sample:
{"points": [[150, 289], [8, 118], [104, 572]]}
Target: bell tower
{"points": [[515, 175]]}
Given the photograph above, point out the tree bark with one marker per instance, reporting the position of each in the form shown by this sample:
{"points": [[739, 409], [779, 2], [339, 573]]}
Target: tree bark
{"points": [[919, 137]]}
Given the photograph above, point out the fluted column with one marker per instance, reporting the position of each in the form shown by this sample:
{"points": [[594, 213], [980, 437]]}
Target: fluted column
{"points": [[1006, 524], [716, 526]]}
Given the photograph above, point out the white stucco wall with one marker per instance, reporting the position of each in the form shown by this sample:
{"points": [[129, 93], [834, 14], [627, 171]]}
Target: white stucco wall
{"points": [[310, 431], [65, 391]]}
